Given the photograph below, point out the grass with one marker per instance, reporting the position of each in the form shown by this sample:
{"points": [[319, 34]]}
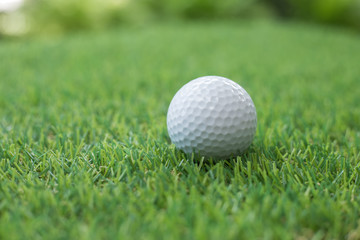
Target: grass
{"points": [[85, 153]]}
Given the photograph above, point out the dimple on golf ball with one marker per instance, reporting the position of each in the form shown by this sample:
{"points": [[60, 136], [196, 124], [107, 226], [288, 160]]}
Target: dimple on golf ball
{"points": [[212, 116]]}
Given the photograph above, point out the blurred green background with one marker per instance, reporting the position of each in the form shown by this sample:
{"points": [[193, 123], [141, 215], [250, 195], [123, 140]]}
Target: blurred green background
{"points": [[34, 17]]}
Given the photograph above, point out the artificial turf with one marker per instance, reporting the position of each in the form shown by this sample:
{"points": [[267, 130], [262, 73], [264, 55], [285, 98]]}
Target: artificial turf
{"points": [[85, 154]]}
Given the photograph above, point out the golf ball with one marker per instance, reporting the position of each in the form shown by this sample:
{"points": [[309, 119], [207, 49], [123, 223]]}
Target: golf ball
{"points": [[212, 116]]}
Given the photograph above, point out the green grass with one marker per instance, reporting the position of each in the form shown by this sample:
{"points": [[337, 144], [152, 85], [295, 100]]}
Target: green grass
{"points": [[84, 150]]}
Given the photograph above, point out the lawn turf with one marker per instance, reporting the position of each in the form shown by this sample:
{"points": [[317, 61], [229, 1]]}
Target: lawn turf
{"points": [[85, 154]]}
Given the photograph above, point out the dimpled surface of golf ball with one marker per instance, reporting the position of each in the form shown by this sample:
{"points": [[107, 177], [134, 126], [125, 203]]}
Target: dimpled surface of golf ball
{"points": [[212, 116]]}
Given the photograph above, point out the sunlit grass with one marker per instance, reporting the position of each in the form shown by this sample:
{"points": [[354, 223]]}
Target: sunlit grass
{"points": [[84, 150]]}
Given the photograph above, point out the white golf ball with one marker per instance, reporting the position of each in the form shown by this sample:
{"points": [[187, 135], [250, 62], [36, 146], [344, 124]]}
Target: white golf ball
{"points": [[212, 116]]}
